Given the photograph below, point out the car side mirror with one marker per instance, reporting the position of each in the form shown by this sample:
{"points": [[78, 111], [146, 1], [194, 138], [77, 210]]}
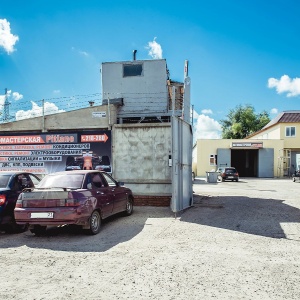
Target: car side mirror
{"points": [[120, 183]]}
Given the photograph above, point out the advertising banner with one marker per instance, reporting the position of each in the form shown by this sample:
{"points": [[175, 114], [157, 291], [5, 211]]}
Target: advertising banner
{"points": [[51, 152]]}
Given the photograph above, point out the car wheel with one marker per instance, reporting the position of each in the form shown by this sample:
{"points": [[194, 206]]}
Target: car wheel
{"points": [[95, 223], [38, 230], [129, 207]]}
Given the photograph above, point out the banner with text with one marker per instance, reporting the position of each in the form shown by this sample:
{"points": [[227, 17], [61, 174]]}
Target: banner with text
{"points": [[50, 152]]}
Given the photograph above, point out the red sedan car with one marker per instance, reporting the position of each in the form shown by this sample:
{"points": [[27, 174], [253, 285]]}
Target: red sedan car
{"points": [[80, 197]]}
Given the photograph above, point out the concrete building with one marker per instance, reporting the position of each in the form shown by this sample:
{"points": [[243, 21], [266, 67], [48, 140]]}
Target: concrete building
{"points": [[132, 127], [142, 89], [274, 151]]}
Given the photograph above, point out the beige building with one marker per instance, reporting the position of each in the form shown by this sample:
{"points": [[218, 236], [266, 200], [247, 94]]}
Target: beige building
{"points": [[274, 151]]}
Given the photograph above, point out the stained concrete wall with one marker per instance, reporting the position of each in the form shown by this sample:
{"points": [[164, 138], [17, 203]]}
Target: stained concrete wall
{"points": [[141, 157], [82, 119]]}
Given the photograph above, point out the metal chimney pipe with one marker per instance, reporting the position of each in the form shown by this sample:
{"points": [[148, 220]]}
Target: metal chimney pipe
{"points": [[134, 54]]}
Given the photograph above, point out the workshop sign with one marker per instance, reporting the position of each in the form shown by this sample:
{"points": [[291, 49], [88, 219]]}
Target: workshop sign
{"points": [[247, 145], [50, 152]]}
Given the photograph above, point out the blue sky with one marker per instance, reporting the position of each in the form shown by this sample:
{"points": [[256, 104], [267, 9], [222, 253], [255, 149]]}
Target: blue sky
{"points": [[239, 52]]}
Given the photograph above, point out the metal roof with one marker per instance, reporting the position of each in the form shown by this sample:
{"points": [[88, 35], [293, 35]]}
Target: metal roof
{"points": [[291, 116]]}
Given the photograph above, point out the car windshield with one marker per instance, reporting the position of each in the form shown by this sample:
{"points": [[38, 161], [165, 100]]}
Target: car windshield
{"points": [[4, 180], [230, 170], [73, 181]]}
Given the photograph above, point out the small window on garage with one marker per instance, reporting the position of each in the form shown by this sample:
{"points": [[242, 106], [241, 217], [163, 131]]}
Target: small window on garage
{"points": [[213, 160], [132, 70], [290, 131]]}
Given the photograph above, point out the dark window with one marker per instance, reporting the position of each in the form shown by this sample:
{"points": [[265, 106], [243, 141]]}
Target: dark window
{"points": [[132, 70], [290, 131]]}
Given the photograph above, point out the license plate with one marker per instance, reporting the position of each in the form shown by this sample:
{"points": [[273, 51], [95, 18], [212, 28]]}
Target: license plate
{"points": [[42, 215], [230, 177]]}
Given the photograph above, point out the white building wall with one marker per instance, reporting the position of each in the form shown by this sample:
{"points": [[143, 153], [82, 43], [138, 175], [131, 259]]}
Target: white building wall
{"points": [[142, 95]]}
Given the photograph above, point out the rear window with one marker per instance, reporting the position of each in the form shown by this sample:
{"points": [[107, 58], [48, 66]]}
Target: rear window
{"points": [[4, 180], [73, 181], [230, 171]]}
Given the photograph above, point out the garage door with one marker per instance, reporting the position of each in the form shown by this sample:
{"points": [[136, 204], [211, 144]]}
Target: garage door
{"points": [[224, 157], [266, 162]]}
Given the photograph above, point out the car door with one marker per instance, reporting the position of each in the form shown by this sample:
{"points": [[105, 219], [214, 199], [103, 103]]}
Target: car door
{"points": [[119, 195], [102, 193], [16, 188]]}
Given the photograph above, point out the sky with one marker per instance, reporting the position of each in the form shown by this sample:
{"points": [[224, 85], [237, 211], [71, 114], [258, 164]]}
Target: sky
{"points": [[240, 52]]}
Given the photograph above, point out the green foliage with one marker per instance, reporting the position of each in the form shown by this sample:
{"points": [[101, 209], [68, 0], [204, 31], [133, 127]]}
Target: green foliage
{"points": [[242, 121]]}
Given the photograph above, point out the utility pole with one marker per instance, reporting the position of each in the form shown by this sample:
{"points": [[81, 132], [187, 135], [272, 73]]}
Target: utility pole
{"points": [[6, 107]]}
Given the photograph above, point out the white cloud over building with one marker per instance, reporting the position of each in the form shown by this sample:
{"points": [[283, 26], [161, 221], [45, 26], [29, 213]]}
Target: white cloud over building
{"points": [[285, 85], [37, 111], [206, 127], [155, 50]]}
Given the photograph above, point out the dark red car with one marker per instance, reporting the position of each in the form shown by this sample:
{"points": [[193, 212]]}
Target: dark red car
{"points": [[80, 197]]}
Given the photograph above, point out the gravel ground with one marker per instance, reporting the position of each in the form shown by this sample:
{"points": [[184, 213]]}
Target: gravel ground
{"points": [[240, 240]]}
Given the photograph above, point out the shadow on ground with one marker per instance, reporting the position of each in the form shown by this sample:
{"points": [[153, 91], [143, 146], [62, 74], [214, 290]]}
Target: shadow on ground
{"points": [[115, 230], [244, 214]]}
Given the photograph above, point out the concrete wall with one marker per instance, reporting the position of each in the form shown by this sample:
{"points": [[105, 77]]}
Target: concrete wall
{"points": [[78, 119], [142, 95], [205, 148], [141, 157]]}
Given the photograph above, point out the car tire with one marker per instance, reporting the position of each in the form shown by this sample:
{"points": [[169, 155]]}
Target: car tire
{"points": [[95, 223], [294, 179], [129, 207], [38, 230]]}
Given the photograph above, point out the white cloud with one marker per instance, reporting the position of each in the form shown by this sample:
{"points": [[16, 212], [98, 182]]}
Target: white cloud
{"points": [[17, 96], [155, 50], [285, 85], [207, 111], [83, 53], [274, 111], [56, 91], [2, 99], [207, 128], [7, 39], [37, 111]]}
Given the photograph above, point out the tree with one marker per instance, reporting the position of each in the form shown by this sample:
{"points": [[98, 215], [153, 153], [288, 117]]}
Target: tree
{"points": [[243, 121]]}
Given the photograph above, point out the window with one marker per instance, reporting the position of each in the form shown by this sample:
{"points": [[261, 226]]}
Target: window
{"points": [[109, 180], [213, 160], [290, 131], [132, 70]]}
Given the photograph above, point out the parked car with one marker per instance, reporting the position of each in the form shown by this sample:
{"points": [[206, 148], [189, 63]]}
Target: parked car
{"points": [[80, 197], [228, 173], [11, 185], [296, 176]]}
